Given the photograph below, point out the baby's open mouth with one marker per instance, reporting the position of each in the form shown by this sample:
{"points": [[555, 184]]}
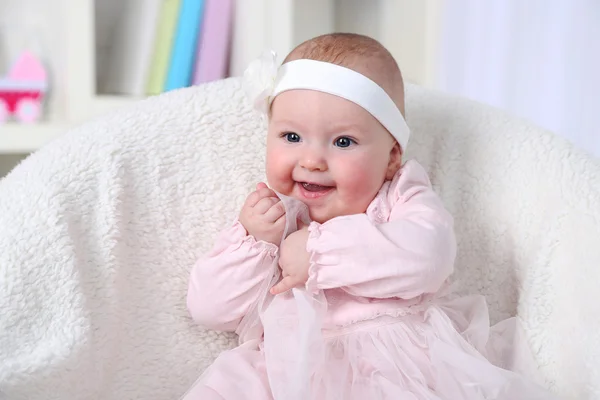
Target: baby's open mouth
{"points": [[313, 187]]}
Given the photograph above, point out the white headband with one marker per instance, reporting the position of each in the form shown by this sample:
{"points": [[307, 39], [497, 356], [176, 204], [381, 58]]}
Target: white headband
{"points": [[268, 81]]}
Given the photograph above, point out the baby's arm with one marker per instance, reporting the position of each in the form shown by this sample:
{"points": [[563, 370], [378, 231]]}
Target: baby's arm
{"points": [[410, 255], [226, 283]]}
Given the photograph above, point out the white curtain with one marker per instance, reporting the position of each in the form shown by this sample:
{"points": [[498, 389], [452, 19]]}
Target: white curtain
{"points": [[539, 59]]}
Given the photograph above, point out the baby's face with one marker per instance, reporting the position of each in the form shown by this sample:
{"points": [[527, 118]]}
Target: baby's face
{"points": [[327, 152]]}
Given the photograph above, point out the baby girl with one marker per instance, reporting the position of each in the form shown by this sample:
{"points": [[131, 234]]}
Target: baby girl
{"points": [[334, 274]]}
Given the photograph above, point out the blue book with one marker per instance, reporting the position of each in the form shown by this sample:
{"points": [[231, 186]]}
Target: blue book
{"points": [[183, 54]]}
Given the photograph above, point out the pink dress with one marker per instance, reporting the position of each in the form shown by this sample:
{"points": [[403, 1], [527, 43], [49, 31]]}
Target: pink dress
{"points": [[373, 322]]}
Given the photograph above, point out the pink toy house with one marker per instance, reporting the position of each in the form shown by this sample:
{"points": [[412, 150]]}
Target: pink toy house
{"points": [[22, 91]]}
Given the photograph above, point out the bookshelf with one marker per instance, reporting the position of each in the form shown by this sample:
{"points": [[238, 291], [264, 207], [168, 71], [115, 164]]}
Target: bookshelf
{"points": [[406, 27]]}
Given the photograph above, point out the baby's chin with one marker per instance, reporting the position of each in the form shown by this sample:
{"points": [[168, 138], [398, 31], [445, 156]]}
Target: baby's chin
{"points": [[322, 216], [320, 220]]}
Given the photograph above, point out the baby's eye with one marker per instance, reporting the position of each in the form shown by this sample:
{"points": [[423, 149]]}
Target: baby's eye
{"points": [[291, 137], [344, 141]]}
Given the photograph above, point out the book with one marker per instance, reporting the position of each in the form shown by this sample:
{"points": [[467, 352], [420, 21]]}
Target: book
{"points": [[163, 44], [212, 55], [129, 56], [184, 48]]}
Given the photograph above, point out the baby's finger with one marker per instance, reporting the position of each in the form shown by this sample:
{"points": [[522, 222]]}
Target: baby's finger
{"points": [[267, 192], [257, 196], [264, 205], [284, 285], [275, 212], [261, 185], [260, 194]]}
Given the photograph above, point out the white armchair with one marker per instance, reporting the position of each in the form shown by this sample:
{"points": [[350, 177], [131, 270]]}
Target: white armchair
{"points": [[99, 229]]}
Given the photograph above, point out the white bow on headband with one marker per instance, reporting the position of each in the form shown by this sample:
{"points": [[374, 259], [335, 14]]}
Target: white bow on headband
{"points": [[259, 80], [263, 81]]}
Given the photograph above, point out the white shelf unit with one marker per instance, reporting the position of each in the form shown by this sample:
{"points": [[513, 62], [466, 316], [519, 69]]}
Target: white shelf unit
{"points": [[407, 27], [24, 139], [73, 98]]}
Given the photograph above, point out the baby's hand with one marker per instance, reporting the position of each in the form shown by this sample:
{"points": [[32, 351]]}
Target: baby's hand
{"points": [[294, 261], [263, 215]]}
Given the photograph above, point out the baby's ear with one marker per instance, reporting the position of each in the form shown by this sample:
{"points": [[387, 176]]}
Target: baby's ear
{"points": [[395, 161]]}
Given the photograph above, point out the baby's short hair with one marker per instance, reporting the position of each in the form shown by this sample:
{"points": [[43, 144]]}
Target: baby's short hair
{"points": [[360, 53]]}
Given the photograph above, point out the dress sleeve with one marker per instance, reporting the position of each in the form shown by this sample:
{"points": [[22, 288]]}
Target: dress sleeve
{"points": [[226, 282], [410, 254]]}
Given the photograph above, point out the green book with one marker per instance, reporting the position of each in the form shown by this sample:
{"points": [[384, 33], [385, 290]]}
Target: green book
{"points": [[165, 36]]}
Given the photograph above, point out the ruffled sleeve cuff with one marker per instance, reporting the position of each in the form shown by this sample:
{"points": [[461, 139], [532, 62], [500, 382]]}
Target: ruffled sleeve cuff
{"points": [[321, 249], [238, 234]]}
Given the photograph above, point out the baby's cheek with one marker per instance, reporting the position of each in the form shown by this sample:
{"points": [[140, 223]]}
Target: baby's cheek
{"points": [[361, 183], [278, 173], [273, 165]]}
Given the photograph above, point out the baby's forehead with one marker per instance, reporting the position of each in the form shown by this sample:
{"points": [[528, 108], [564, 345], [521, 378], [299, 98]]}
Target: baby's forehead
{"points": [[319, 110]]}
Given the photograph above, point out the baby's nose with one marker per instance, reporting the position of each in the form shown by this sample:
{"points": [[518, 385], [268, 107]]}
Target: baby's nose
{"points": [[313, 160]]}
